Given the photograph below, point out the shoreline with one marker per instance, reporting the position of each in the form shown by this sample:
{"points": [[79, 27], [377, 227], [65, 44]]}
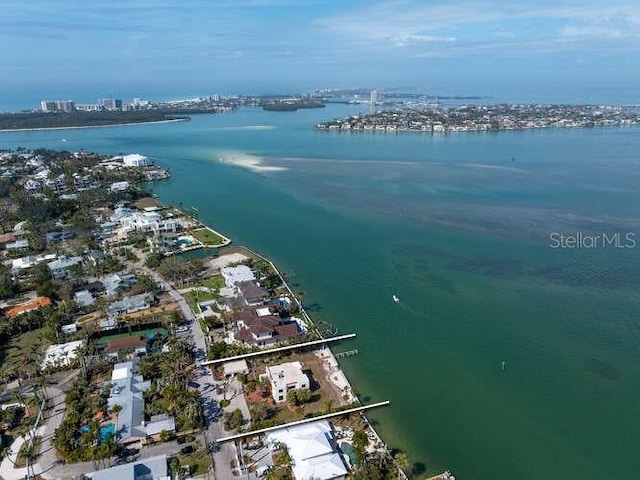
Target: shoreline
{"points": [[329, 356], [38, 129]]}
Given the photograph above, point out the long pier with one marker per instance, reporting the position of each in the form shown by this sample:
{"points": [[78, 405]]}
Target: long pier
{"points": [[302, 422], [279, 349]]}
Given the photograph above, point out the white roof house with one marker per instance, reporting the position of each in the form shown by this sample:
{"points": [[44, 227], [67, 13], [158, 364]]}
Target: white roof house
{"points": [[160, 423], [127, 388], [286, 377], [119, 186], [233, 275], [30, 261], [135, 160], [133, 220], [312, 450], [153, 468], [61, 355]]}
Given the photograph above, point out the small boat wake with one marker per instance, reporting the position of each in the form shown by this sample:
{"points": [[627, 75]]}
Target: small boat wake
{"points": [[408, 309]]}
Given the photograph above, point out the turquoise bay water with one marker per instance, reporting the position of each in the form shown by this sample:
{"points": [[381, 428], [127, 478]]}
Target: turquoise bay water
{"points": [[458, 227]]}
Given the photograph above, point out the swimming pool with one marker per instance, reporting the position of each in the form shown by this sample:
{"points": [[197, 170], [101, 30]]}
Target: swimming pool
{"points": [[185, 241], [106, 430], [348, 450]]}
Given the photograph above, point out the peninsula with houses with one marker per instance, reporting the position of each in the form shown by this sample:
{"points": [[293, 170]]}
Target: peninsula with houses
{"points": [[484, 118], [122, 355]]}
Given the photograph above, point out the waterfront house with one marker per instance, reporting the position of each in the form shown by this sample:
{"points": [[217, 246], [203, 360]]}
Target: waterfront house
{"points": [[133, 220], [285, 378], [262, 326], [313, 451], [135, 160], [252, 292], [233, 275]]}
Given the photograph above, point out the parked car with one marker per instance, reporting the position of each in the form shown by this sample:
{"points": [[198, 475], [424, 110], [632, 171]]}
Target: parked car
{"points": [[181, 329], [186, 449], [262, 470]]}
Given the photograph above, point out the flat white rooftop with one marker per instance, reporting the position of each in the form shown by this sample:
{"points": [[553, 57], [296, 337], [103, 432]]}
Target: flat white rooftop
{"points": [[61, 354]]}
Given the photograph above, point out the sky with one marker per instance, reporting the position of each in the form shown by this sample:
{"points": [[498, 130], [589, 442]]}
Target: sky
{"points": [[85, 49]]}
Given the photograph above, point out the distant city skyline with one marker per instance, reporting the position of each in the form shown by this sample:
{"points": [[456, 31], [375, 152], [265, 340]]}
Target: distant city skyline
{"points": [[87, 50]]}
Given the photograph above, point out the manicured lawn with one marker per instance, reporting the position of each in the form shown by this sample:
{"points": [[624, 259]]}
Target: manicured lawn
{"points": [[207, 237], [215, 283], [193, 298]]}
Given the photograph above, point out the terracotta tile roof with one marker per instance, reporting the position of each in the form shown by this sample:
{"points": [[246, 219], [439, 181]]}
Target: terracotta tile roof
{"points": [[6, 238], [34, 304], [124, 343]]}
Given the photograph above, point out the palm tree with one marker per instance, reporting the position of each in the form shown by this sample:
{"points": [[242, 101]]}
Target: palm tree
{"points": [[192, 411], [401, 461]]}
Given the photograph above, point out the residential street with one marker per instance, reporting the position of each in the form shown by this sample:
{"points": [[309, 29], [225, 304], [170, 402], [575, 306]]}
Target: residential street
{"points": [[224, 454]]}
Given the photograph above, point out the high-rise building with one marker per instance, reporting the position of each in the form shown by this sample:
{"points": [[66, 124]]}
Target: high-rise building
{"points": [[374, 97], [110, 103], [57, 106]]}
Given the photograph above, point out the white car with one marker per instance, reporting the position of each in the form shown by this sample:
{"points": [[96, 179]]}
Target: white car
{"points": [[263, 470], [181, 329]]}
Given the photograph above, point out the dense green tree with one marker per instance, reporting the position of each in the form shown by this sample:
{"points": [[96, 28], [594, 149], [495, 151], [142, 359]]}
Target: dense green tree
{"points": [[360, 443], [233, 420]]}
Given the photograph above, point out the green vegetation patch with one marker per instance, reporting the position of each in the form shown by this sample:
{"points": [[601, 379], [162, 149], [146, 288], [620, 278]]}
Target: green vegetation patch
{"points": [[207, 237], [199, 462]]}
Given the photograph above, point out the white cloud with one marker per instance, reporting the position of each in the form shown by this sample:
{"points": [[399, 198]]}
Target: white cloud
{"points": [[595, 31], [402, 23]]}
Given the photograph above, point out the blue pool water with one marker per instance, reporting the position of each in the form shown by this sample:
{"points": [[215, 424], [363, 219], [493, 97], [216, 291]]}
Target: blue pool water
{"points": [[348, 449], [184, 241], [106, 430]]}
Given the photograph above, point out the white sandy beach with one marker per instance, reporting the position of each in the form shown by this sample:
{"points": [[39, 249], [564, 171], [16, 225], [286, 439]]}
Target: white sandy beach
{"points": [[94, 126]]}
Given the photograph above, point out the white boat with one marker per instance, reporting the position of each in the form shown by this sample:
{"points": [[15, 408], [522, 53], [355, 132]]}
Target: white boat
{"points": [[396, 299]]}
